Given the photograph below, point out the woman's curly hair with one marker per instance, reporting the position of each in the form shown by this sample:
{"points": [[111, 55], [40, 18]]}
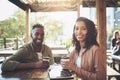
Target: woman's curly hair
{"points": [[91, 38]]}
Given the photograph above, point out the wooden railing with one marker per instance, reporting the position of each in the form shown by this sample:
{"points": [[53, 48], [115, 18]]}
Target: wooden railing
{"points": [[9, 43]]}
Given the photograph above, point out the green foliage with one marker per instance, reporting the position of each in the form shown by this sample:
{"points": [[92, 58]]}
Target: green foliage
{"points": [[68, 43], [117, 28], [53, 29], [14, 26]]}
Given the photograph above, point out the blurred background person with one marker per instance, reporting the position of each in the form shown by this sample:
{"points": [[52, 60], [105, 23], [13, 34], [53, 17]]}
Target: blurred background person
{"points": [[115, 38]]}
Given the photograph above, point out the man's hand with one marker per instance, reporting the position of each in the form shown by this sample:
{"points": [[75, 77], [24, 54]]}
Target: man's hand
{"points": [[45, 64], [41, 64]]}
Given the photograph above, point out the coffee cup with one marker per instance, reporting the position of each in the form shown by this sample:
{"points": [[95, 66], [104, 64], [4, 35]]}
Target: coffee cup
{"points": [[63, 60]]}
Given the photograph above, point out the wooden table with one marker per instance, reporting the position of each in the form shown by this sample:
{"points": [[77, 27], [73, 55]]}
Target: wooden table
{"points": [[56, 52], [30, 74], [7, 53], [59, 53], [53, 73]]}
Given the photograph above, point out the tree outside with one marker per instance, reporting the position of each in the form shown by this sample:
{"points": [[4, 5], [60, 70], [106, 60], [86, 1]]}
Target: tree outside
{"points": [[14, 27]]}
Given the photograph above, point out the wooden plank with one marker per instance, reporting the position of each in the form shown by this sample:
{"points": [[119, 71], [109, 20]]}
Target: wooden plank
{"points": [[7, 53]]}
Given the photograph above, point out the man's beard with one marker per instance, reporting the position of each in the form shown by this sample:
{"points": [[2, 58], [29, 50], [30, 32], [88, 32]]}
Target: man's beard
{"points": [[38, 42]]}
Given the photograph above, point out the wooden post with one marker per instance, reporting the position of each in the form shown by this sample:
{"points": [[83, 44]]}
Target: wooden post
{"points": [[101, 26], [101, 23], [16, 43], [4, 40], [78, 10], [27, 25]]}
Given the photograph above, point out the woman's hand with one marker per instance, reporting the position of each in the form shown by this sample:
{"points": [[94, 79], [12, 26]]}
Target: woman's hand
{"points": [[67, 65]]}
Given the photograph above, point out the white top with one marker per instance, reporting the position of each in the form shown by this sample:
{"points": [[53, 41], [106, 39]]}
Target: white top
{"points": [[78, 61], [39, 55]]}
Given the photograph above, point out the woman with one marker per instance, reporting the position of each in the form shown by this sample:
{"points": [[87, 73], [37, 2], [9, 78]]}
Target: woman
{"points": [[116, 37], [87, 60]]}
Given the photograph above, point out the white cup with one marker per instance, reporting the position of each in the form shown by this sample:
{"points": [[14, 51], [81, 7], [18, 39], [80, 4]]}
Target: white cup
{"points": [[39, 55]]}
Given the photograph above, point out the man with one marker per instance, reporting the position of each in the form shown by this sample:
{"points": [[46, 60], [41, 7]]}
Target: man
{"points": [[30, 55]]}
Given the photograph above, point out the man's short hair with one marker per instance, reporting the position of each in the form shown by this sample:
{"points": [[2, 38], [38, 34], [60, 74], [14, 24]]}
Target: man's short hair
{"points": [[37, 26]]}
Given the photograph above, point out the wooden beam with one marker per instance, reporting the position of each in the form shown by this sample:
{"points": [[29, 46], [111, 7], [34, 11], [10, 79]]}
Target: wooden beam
{"points": [[19, 4], [78, 10]]}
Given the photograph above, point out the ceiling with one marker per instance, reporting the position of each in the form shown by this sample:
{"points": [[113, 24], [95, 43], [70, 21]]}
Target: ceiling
{"points": [[59, 5], [109, 3]]}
